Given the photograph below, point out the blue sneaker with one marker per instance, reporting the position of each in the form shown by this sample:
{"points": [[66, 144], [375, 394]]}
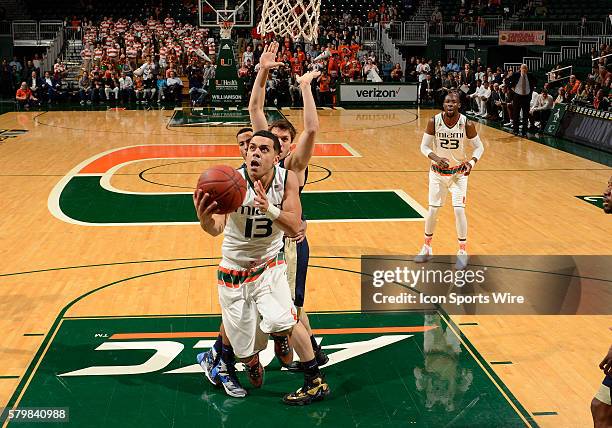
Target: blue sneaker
{"points": [[227, 376], [208, 360]]}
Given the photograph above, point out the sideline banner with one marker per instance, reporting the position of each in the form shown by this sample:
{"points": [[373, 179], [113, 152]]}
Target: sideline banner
{"points": [[588, 126], [522, 38], [378, 93]]}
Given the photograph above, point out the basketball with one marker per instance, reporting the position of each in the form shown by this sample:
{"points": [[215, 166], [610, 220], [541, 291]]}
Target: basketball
{"points": [[225, 185]]}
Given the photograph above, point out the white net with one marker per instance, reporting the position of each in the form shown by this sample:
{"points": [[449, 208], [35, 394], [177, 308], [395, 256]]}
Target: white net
{"points": [[225, 29], [290, 18]]}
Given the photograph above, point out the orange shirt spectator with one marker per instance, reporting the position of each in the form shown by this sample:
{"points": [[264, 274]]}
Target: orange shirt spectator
{"points": [[296, 66], [573, 85], [254, 34], [287, 51], [344, 66], [333, 66], [324, 83], [23, 94]]}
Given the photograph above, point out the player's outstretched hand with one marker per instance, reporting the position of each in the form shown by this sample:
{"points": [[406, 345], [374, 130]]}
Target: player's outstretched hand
{"points": [[261, 199], [606, 364], [267, 61], [203, 205], [308, 77]]}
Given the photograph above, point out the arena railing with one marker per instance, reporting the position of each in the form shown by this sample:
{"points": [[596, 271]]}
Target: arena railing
{"points": [[5, 27], [369, 35], [53, 51], [560, 29], [533, 62], [551, 58], [408, 32], [513, 66], [586, 45], [48, 30], [391, 50], [415, 33], [25, 33], [569, 52], [555, 75], [489, 28], [33, 33], [595, 61]]}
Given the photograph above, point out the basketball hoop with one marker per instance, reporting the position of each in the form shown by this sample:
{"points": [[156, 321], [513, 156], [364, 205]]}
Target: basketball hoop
{"points": [[225, 29], [292, 18]]}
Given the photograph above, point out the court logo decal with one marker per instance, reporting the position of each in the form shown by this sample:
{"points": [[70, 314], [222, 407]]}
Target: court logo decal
{"points": [[86, 196], [11, 133], [218, 116], [596, 200], [403, 367]]}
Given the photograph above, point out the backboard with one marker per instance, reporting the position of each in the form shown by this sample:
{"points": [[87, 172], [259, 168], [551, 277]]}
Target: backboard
{"points": [[213, 12]]}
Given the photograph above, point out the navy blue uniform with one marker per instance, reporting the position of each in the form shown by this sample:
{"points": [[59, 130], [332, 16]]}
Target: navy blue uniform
{"points": [[608, 382], [303, 254]]}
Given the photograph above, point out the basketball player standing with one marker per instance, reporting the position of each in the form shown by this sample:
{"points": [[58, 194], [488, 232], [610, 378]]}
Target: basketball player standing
{"points": [[444, 144]]}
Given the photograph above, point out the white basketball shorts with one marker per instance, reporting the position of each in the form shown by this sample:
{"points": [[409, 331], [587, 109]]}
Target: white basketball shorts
{"points": [[244, 295]]}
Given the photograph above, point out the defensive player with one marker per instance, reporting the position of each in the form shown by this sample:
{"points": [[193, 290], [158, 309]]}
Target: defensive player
{"points": [[296, 160], [243, 138], [252, 274], [607, 198], [601, 405], [444, 143]]}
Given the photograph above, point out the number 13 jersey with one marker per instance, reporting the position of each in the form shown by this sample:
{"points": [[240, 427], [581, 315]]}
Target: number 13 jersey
{"points": [[450, 142], [251, 238]]}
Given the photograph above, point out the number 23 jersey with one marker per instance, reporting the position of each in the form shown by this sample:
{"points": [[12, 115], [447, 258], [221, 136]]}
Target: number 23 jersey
{"points": [[251, 238], [450, 142]]}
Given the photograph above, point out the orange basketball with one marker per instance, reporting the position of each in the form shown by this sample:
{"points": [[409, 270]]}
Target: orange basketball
{"points": [[225, 185]]}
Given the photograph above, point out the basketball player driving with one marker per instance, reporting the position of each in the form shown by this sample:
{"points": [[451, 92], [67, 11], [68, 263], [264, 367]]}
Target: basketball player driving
{"points": [[252, 277]]}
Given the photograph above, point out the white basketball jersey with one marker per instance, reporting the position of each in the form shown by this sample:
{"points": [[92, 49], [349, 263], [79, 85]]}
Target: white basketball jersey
{"points": [[251, 238], [450, 142]]}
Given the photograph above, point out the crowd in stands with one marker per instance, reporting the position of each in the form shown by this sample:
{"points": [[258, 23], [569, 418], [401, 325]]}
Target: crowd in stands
{"points": [[469, 12], [344, 63], [486, 91], [37, 85], [142, 60]]}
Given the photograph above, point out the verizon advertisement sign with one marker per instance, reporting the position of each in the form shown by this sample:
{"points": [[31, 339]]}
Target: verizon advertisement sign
{"points": [[378, 93]]}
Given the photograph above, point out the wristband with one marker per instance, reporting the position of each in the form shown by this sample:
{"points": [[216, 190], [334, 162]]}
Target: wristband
{"points": [[273, 212], [472, 162]]}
